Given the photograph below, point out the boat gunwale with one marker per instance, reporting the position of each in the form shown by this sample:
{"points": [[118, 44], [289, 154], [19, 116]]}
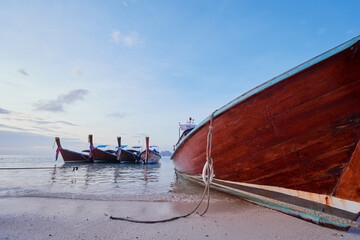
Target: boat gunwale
{"points": [[270, 83]]}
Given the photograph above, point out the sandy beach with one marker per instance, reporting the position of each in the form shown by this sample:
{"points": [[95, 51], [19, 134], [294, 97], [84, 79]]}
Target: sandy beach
{"points": [[51, 218]]}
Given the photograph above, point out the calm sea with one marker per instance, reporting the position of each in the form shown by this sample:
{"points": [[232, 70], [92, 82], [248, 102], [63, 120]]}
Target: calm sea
{"points": [[42, 176]]}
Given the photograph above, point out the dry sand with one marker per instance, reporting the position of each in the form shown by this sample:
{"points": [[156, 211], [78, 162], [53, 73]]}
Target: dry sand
{"points": [[49, 218]]}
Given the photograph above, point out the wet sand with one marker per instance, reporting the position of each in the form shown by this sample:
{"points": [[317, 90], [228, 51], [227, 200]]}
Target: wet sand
{"points": [[50, 218]]}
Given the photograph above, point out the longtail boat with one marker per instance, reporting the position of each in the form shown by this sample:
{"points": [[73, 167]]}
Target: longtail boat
{"points": [[125, 156], [99, 155], [149, 156], [70, 156], [290, 144]]}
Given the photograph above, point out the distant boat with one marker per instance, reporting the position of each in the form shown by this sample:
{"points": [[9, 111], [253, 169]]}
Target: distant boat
{"points": [[101, 156], [149, 156], [125, 156], [70, 156], [290, 144]]}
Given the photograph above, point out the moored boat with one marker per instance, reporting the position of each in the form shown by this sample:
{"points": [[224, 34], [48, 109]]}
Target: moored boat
{"points": [[101, 156], [70, 156], [149, 156], [125, 156], [290, 144]]}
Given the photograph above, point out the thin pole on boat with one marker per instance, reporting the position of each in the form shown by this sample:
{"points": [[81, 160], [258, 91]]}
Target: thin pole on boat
{"points": [[91, 145], [119, 149], [147, 150], [57, 140]]}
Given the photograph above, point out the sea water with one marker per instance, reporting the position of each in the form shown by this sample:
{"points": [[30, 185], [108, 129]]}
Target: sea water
{"points": [[42, 176]]}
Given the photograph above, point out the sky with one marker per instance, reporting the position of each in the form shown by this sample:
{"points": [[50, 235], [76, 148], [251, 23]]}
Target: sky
{"points": [[136, 68]]}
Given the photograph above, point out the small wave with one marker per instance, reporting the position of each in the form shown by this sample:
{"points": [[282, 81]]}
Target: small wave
{"points": [[113, 197]]}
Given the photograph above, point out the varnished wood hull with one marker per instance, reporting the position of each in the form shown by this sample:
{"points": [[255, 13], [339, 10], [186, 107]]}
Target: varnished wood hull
{"points": [[298, 132], [70, 156], [101, 156], [128, 157]]}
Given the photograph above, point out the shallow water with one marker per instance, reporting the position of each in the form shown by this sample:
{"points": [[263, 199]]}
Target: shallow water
{"points": [[42, 176]]}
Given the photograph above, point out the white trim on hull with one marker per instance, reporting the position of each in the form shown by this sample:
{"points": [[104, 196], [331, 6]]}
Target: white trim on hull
{"points": [[336, 213]]}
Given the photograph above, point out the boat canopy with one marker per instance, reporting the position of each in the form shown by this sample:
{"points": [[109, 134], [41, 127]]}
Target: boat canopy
{"points": [[136, 147], [102, 146], [122, 146], [187, 126]]}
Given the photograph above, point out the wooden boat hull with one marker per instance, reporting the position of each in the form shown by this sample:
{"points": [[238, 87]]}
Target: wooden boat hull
{"points": [[297, 133], [153, 157], [101, 156], [128, 157], [70, 156]]}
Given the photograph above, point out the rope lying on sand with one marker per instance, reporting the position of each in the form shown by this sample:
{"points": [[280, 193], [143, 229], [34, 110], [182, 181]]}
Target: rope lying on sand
{"points": [[168, 219], [207, 177]]}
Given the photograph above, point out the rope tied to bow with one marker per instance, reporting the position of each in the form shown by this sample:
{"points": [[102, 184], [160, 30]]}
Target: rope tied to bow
{"points": [[208, 170]]}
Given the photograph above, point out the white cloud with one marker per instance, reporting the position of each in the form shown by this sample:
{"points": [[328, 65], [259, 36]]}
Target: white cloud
{"points": [[78, 71], [124, 3], [117, 115], [130, 40], [115, 36]]}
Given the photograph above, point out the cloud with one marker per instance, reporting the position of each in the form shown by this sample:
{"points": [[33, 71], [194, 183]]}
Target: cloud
{"points": [[66, 123], [140, 135], [78, 71], [4, 111], [38, 121], [23, 72], [58, 104], [21, 142], [115, 36], [124, 3], [130, 40], [31, 143], [117, 115], [11, 127]]}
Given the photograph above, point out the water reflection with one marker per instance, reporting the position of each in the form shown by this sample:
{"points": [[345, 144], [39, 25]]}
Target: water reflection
{"points": [[106, 173], [95, 181]]}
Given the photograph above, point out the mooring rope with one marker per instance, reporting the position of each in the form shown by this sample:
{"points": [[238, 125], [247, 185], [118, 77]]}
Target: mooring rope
{"points": [[207, 180], [21, 168], [209, 162], [38, 168]]}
